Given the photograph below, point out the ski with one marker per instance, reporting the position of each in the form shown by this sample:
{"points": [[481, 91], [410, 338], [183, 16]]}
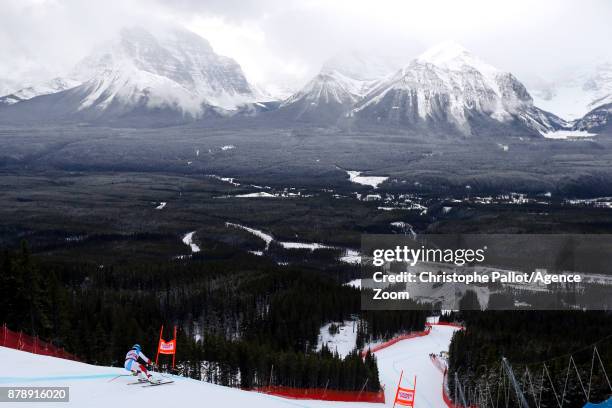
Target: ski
{"points": [[138, 382], [158, 383]]}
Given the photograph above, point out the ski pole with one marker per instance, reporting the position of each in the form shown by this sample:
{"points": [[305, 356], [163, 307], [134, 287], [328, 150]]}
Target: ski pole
{"points": [[120, 375]]}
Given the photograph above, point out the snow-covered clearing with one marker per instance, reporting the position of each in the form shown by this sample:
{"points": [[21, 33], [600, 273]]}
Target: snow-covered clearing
{"points": [[343, 341], [355, 283], [372, 181], [568, 134], [90, 386], [188, 240], [304, 245], [260, 194], [351, 256], [230, 180]]}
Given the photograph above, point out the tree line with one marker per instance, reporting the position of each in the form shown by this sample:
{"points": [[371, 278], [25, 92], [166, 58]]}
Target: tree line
{"points": [[238, 315], [527, 339]]}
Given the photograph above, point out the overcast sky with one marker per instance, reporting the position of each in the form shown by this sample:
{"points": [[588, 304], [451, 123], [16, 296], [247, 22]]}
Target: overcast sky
{"points": [[285, 41]]}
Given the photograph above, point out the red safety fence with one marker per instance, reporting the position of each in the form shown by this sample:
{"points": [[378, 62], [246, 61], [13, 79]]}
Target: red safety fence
{"points": [[23, 342], [394, 340], [324, 395], [457, 325]]}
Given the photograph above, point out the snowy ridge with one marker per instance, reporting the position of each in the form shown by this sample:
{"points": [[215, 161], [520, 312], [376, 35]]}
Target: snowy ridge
{"points": [[449, 84], [45, 88], [343, 81], [330, 87], [446, 87]]}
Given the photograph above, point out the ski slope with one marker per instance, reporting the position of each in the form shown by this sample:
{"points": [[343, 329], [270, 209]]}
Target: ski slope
{"points": [[90, 386]]}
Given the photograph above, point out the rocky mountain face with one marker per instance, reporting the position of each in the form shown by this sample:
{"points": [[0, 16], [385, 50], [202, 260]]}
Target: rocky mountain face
{"points": [[175, 72], [342, 82], [446, 88], [173, 76], [599, 120]]}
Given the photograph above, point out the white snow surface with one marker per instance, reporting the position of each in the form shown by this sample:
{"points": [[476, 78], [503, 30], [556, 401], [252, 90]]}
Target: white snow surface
{"points": [[41, 88], [188, 240], [574, 91], [351, 256], [345, 78], [267, 238], [259, 194], [373, 181], [412, 356], [449, 81], [568, 134], [90, 386], [304, 245], [355, 283], [342, 342], [330, 87]]}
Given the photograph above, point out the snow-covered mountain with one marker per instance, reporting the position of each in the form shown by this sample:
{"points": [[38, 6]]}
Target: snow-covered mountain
{"points": [[43, 88], [342, 81], [172, 71], [598, 120], [445, 89], [574, 92], [449, 88]]}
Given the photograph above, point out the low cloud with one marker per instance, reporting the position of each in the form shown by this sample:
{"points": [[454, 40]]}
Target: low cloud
{"points": [[286, 41]]}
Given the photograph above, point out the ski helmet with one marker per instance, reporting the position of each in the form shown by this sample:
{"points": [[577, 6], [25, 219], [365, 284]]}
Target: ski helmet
{"points": [[136, 347]]}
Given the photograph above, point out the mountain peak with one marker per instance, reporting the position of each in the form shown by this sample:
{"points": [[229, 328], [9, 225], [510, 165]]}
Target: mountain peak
{"points": [[452, 55], [361, 66]]}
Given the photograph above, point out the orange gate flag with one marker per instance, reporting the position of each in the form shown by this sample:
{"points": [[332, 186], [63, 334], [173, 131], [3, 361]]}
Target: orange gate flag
{"points": [[405, 396], [166, 347]]}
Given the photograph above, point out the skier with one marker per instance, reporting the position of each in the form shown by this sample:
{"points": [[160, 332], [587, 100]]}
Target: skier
{"points": [[132, 364]]}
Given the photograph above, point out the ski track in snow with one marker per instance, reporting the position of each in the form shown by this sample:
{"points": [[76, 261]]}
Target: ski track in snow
{"points": [[350, 255], [90, 386]]}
